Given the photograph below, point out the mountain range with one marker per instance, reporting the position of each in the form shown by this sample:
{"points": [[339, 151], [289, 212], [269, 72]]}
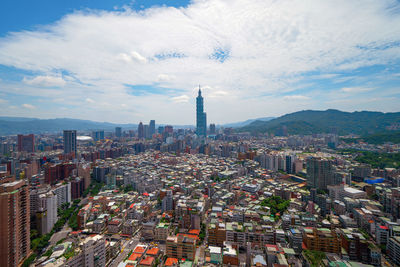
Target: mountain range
{"points": [[327, 121], [24, 125], [20, 125], [301, 122], [246, 122]]}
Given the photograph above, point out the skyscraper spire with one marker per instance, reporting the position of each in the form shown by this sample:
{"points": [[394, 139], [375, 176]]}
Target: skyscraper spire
{"points": [[201, 117]]}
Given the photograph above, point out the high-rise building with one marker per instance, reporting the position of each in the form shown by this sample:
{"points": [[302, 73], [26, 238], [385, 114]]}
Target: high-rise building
{"points": [[212, 128], [47, 212], [118, 131], [160, 129], [201, 117], [26, 143], [320, 173], [289, 163], [63, 193], [14, 223], [152, 126], [77, 187], [146, 131], [140, 131], [70, 141], [98, 135]]}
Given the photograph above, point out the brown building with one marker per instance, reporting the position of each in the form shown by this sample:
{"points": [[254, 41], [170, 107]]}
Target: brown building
{"points": [[14, 223], [26, 143], [216, 234], [77, 187], [54, 173], [181, 247], [321, 239], [356, 246]]}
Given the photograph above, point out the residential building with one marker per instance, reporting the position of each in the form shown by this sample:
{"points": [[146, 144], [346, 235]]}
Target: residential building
{"points": [[320, 173], [14, 223], [393, 249], [26, 143], [90, 253], [181, 247], [63, 193], [46, 215], [321, 239]]}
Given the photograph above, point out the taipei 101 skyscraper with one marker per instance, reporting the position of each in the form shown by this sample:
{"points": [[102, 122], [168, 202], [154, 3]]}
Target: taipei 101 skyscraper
{"points": [[201, 116]]}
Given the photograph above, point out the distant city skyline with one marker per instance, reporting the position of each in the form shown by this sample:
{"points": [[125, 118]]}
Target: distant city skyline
{"points": [[253, 58]]}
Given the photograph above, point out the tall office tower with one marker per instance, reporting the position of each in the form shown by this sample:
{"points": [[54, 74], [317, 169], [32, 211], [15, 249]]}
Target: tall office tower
{"points": [[140, 131], [98, 135], [201, 117], [14, 223], [118, 131], [320, 173], [289, 163], [160, 129], [26, 143], [152, 127], [212, 128], [146, 131], [70, 141]]}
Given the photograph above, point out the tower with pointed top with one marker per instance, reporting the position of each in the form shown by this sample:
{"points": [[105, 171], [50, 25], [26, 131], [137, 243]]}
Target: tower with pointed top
{"points": [[201, 116]]}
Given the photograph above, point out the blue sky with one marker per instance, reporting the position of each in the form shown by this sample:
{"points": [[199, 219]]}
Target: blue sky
{"points": [[131, 61], [40, 12]]}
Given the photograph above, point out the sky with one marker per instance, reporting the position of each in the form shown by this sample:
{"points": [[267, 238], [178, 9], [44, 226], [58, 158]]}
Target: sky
{"points": [[131, 61]]}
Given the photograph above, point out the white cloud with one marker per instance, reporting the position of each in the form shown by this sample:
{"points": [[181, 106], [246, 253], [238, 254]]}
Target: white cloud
{"points": [[240, 48], [89, 100], [180, 99], [48, 81], [165, 78], [133, 56], [355, 90], [295, 97], [217, 94], [28, 106], [3, 101]]}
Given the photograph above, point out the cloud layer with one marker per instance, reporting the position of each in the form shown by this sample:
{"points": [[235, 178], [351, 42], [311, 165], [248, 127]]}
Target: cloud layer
{"points": [[253, 57]]}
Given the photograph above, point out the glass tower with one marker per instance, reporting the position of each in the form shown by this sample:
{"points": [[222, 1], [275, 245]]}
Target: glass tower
{"points": [[201, 117]]}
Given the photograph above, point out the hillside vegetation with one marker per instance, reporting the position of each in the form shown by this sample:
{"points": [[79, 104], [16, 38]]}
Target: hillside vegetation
{"points": [[328, 121]]}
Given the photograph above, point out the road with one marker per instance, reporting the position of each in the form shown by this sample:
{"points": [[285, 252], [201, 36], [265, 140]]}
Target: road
{"points": [[60, 235], [126, 247]]}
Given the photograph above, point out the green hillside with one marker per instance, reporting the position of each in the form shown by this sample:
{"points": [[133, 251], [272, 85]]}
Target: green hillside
{"points": [[328, 121]]}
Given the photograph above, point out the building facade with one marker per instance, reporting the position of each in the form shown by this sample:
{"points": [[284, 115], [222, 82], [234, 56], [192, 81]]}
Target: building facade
{"points": [[26, 143], [14, 223], [70, 145]]}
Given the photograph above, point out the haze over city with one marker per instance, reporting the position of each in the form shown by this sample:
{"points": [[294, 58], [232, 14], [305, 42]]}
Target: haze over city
{"points": [[127, 61]]}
